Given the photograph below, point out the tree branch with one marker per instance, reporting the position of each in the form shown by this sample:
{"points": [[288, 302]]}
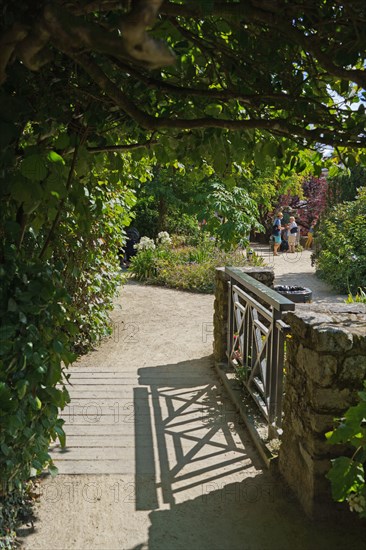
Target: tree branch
{"points": [[72, 33], [253, 100], [118, 148], [60, 27], [8, 43], [278, 16], [277, 126]]}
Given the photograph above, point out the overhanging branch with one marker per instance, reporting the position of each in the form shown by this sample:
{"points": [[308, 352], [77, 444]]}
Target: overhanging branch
{"points": [[277, 126], [121, 148]]}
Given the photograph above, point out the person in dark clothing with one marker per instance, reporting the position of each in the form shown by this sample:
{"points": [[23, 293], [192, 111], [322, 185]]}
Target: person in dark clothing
{"points": [[284, 239], [133, 237]]}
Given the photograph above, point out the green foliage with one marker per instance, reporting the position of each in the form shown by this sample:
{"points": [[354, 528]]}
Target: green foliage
{"points": [[167, 201], [198, 277], [143, 265], [344, 187], [64, 202], [89, 240], [360, 297], [176, 199], [280, 96], [61, 225], [181, 223], [15, 508], [34, 348], [185, 267], [230, 214], [347, 474], [341, 245]]}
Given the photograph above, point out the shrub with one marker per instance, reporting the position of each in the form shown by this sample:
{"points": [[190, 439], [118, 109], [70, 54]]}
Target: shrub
{"points": [[58, 276], [186, 276], [143, 265], [185, 267], [340, 255], [347, 475], [15, 509]]}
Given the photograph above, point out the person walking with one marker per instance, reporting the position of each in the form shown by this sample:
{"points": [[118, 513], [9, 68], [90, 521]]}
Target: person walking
{"points": [[292, 234], [309, 240], [276, 232]]}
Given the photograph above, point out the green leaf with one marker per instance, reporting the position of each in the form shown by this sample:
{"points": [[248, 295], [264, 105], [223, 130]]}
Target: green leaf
{"points": [[62, 141], [346, 476], [53, 471], [350, 429], [36, 403], [37, 465], [213, 109], [58, 346], [55, 157], [54, 374], [34, 168], [22, 318], [5, 449], [14, 424], [21, 387], [61, 435], [5, 394], [55, 182]]}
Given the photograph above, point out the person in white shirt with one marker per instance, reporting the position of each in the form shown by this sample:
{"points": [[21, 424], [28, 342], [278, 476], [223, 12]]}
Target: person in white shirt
{"points": [[292, 234]]}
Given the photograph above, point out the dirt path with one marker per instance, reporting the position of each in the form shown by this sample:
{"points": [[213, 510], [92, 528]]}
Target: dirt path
{"points": [[157, 458]]}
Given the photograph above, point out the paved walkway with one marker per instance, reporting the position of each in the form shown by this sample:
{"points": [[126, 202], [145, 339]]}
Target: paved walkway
{"points": [[296, 270], [156, 457]]}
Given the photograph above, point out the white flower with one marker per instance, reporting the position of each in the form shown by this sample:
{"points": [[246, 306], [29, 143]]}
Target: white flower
{"points": [[164, 238], [357, 503], [145, 244]]}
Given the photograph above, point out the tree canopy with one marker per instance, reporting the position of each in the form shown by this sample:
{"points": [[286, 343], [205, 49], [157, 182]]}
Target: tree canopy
{"points": [[283, 75]]}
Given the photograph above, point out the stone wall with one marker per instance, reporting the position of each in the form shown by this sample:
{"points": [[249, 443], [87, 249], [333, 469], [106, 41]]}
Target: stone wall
{"points": [[325, 368], [263, 274]]}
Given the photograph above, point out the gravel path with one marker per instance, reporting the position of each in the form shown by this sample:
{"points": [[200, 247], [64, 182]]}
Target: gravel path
{"points": [[156, 457]]}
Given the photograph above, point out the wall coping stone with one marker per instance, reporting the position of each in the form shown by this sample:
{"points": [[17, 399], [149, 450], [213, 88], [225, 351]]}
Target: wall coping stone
{"points": [[319, 322]]}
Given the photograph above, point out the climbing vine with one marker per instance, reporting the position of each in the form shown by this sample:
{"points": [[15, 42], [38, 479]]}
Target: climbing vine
{"points": [[61, 226]]}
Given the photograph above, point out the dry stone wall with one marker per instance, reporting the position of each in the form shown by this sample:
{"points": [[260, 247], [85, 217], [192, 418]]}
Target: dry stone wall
{"points": [[325, 368]]}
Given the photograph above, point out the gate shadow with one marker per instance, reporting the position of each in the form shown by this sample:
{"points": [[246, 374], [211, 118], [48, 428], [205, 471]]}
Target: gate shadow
{"points": [[202, 480], [187, 433]]}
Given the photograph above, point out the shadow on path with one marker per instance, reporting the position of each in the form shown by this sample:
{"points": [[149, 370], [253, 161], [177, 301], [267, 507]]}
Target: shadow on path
{"points": [[255, 514], [209, 491], [196, 430]]}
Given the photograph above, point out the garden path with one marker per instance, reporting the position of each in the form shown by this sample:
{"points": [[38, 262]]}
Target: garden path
{"points": [[156, 457], [296, 270]]}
